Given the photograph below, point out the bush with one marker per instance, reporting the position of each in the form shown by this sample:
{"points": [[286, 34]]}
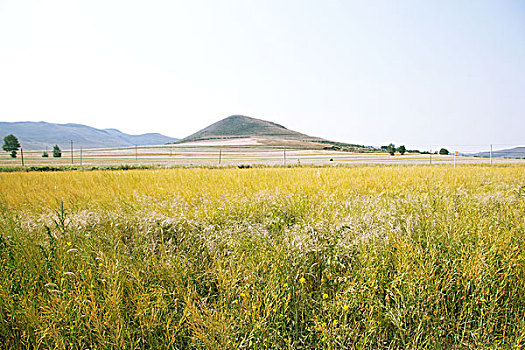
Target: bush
{"points": [[57, 153], [391, 148]]}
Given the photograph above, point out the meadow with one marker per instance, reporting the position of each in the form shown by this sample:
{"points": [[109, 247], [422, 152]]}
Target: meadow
{"points": [[367, 257]]}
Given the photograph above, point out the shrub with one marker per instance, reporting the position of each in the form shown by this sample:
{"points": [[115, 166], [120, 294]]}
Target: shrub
{"points": [[57, 152]]}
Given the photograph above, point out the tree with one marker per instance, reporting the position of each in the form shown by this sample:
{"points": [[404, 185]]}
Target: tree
{"points": [[11, 144], [443, 151], [391, 148], [45, 154], [57, 153], [402, 149]]}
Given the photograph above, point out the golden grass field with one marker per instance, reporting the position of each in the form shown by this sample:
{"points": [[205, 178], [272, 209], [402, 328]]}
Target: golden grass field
{"points": [[405, 257]]}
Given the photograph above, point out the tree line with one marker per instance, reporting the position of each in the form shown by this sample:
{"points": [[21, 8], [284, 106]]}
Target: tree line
{"points": [[391, 148]]}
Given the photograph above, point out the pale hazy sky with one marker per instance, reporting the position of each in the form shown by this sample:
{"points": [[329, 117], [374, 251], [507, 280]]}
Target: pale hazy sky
{"points": [[420, 73]]}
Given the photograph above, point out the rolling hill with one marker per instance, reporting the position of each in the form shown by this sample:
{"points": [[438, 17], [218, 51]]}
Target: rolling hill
{"points": [[39, 135], [247, 130], [239, 126], [516, 152]]}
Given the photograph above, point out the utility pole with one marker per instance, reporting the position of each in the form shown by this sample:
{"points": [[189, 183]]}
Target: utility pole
{"points": [[455, 154], [220, 156], [80, 155], [284, 155], [430, 158], [136, 153], [22, 155], [491, 154], [71, 152]]}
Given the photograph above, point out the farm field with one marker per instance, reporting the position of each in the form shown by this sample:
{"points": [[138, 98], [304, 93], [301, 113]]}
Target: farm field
{"points": [[209, 154], [368, 257]]}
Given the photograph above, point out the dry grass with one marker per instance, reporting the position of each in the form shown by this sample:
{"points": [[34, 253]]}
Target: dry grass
{"points": [[402, 257]]}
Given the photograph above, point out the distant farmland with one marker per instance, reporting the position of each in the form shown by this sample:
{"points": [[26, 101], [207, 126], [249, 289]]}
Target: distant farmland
{"points": [[223, 154]]}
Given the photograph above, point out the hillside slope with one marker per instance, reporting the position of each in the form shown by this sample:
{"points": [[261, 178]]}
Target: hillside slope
{"points": [[39, 135], [239, 126], [516, 152]]}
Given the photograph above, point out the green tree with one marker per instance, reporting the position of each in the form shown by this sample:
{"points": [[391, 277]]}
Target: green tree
{"points": [[443, 151], [45, 154], [391, 148], [57, 152], [11, 144], [402, 149]]}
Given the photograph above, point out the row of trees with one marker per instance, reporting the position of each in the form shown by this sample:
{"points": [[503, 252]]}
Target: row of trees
{"points": [[12, 145], [391, 148]]}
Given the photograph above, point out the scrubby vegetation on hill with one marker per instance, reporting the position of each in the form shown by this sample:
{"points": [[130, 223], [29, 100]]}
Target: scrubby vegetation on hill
{"points": [[238, 126]]}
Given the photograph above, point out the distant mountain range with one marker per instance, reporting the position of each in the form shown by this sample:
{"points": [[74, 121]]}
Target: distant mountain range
{"points": [[39, 135], [516, 152]]}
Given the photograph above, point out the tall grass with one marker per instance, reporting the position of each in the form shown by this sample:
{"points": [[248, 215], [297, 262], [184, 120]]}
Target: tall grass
{"points": [[365, 258]]}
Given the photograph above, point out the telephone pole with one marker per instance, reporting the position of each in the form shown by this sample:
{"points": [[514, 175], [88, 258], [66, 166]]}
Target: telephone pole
{"points": [[71, 152]]}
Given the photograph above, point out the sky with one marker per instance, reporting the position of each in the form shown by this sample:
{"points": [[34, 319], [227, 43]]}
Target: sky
{"points": [[421, 73]]}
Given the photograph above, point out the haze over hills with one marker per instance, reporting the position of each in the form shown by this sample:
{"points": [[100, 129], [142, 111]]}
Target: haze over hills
{"points": [[39, 135], [233, 130], [516, 152]]}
